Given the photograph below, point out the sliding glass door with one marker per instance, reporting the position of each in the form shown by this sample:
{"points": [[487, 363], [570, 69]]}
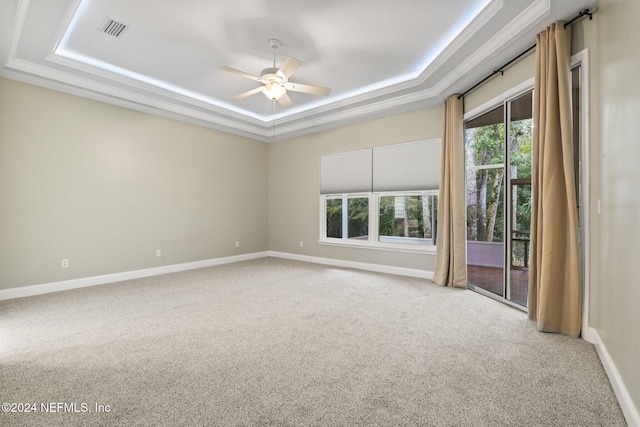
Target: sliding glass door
{"points": [[484, 160], [520, 139], [498, 199]]}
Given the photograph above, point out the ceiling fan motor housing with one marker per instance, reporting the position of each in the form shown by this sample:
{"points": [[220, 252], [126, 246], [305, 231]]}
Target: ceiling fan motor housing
{"points": [[273, 75]]}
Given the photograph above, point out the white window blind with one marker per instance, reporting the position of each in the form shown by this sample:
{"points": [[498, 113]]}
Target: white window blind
{"points": [[348, 172], [407, 167]]}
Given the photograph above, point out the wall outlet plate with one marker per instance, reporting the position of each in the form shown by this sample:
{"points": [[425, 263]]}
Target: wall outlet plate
{"points": [[65, 263]]}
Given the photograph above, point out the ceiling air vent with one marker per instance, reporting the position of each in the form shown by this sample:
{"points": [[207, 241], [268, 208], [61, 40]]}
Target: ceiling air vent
{"points": [[112, 27]]}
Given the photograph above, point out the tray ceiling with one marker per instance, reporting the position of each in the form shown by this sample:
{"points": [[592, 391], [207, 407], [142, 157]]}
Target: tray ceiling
{"points": [[379, 57]]}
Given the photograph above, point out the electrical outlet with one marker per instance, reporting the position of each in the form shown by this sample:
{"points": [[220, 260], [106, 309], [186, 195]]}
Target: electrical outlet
{"points": [[237, 244], [65, 263], [301, 243], [158, 252]]}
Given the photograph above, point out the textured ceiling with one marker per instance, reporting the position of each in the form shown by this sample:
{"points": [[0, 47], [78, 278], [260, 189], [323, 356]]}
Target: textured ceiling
{"points": [[379, 57]]}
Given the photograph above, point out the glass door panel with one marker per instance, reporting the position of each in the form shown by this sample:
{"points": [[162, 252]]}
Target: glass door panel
{"points": [[520, 139], [520, 240], [498, 199], [484, 152]]}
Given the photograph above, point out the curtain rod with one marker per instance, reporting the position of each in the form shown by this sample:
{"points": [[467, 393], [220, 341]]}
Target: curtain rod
{"points": [[500, 70], [580, 15]]}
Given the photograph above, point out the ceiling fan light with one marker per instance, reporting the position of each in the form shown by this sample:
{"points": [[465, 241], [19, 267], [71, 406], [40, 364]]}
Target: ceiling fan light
{"points": [[274, 91]]}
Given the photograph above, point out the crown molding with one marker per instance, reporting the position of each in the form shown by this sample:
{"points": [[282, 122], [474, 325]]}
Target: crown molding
{"points": [[518, 25], [157, 100], [469, 31]]}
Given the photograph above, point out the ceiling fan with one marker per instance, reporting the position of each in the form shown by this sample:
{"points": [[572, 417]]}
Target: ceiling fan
{"points": [[276, 80]]}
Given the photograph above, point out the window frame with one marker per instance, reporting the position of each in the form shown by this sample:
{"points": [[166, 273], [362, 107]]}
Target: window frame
{"points": [[374, 223], [345, 224]]}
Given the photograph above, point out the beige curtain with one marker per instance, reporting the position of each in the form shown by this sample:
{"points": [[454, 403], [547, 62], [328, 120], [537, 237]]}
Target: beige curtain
{"points": [[451, 263], [554, 276]]}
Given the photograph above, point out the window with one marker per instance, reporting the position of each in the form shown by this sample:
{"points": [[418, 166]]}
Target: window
{"points": [[381, 197], [333, 214], [407, 218], [390, 220], [347, 217]]}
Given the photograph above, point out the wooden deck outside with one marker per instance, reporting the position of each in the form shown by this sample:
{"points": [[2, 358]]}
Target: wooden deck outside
{"points": [[490, 279]]}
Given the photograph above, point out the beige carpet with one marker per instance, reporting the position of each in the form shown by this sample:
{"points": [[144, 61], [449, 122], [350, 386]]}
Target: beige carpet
{"points": [[283, 343]]}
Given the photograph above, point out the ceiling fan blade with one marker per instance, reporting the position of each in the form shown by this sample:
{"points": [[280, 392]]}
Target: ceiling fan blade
{"points": [[248, 93], [241, 73], [290, 66], [285, 101], [316, 90]]}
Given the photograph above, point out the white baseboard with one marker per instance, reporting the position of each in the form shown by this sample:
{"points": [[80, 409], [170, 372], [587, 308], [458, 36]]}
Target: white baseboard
{"points": [[589, 334], [378, 268], [626, 403], [45, 288]]}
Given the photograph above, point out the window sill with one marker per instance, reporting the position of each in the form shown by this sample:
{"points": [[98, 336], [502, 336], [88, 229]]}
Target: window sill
{"points": [[390, 247]]}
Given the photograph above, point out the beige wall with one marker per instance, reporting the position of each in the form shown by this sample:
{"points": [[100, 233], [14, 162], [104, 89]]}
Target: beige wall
{"points": [[106, 186], [294, 185], [615, 159], [614, 54]]}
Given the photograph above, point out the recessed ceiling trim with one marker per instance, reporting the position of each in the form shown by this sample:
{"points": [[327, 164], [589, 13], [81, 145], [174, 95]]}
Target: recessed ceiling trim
{"points": [[18, 27], [518, 25], [297, 122], [224, 109], [157, 88], [469, 31], [67, 22], [364, 94], [364, 110], [71, 76], [416, 78], [116, 93], [105, 93]]}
